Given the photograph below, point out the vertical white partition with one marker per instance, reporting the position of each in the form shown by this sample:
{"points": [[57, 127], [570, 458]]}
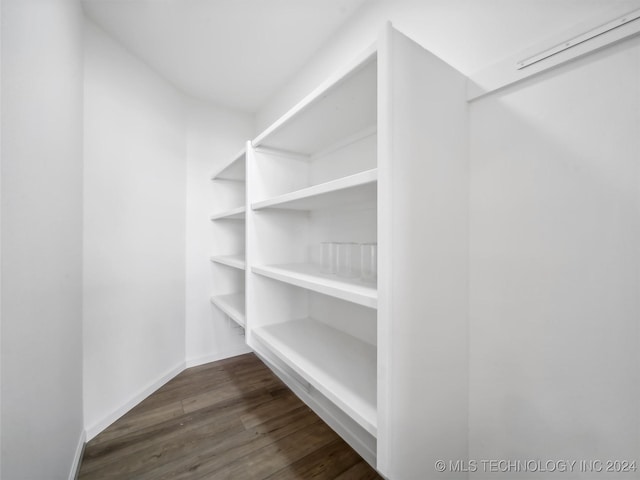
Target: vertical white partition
{"points": [[422, 287]]}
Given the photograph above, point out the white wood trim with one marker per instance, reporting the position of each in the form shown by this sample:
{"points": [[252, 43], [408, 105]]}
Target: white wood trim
{"points": [[224, 179], [77, 457], [134, 400], [250, 243], [233, 305], [332, 81], [235, 261], [385, 244], [216, 174], [294, 200], [507, 72], [308, 276], [236, 213], [221, 355]]}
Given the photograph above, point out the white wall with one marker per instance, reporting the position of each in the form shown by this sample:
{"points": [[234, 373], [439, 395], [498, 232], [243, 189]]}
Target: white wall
{"points": [[214, 136], [134, 230], [41, 238], [555, 265]]}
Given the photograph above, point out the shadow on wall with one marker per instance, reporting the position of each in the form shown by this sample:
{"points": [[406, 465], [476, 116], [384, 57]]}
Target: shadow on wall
{"points": [[555, 265]]}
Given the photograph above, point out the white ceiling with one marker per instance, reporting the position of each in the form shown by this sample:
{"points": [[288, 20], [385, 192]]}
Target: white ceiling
{"points": [[230, 52]]}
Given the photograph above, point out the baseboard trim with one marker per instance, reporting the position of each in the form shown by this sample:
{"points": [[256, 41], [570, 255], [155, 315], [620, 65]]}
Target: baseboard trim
{"points": [[77, 458], [214, 357], [99, 426]]}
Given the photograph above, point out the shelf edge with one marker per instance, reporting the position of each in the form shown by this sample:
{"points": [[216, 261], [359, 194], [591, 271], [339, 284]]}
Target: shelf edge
{"points": [[294, 278], [230, 261], [230, 312], [343, 183], [229, 214]]}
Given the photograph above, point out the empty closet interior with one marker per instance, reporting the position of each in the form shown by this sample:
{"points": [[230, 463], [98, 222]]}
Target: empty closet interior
{"points": [[421, 216]]}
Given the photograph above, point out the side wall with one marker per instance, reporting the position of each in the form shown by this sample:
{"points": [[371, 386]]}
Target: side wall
{"points": [[555, 265], [41, 238], [214, 135], [134, 230]]}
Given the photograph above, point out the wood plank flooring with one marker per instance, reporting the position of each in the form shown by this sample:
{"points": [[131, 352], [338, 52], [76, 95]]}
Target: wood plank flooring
{"points": [[232, 419]]}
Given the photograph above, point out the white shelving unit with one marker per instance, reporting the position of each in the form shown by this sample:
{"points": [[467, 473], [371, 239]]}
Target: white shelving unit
{"points": [[235, 261], [377, 153], [228, 224], [233, 305], [357, 188], [308, 276], [235, 170], [232, 214], [313, 177], [340, 366]]}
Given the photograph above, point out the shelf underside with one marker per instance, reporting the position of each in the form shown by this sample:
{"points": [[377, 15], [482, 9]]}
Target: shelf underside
{"points": [[235, 261], [237, 213], [233, 305], [358, 188], [344, 109], [341, 367], [308, 276], [234, 170]]}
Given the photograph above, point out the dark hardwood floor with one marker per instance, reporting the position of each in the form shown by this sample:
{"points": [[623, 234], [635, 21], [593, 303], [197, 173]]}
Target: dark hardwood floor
{"points": [[231, 419]]}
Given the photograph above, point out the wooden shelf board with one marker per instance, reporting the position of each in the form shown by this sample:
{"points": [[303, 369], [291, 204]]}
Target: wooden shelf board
{"points": [[341, 367], [308, 276], [233, 305], [237, 213], [234, 170], [235, 261], [357, 188]]}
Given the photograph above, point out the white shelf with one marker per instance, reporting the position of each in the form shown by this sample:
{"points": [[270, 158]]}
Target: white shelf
{"points": [[235, 261], [308, 276], [235, 170], [341, 367], [237, 213], [342, 106], [357, 188], [233, 305]]}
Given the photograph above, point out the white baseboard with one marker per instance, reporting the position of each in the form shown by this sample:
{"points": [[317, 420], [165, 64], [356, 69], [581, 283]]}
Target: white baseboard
{"points": [[77, 458], [214, 357], [99, 426]]}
